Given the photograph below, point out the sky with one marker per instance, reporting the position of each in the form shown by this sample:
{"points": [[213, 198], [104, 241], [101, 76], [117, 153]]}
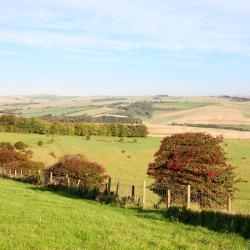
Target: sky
{"points": [[125, 47]]}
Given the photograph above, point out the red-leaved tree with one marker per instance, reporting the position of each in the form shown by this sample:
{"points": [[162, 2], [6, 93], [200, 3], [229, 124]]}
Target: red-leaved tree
{"points": [[77, 167], [195, 159]]}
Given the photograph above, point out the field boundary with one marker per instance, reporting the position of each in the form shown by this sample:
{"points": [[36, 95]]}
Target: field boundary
{"points": [[136, 196]]}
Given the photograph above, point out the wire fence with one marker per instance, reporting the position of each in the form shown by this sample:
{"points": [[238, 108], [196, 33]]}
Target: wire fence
{"points": [[143, 195]]}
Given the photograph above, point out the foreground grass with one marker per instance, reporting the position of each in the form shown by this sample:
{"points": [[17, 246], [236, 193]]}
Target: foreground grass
{"points": [[33, 218]]}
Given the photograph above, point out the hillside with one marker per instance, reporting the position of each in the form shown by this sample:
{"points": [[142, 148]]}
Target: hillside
{"points": [[157, 112], [32, 218], [128, 161]]}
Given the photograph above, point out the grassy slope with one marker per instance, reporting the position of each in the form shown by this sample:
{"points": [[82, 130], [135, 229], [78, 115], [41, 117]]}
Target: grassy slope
{"points": [[106, 150], [31, 218], [129, 171]]}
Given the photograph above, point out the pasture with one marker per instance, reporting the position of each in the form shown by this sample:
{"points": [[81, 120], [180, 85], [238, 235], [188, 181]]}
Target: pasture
{"points": [[34, 218], [128, 161]]}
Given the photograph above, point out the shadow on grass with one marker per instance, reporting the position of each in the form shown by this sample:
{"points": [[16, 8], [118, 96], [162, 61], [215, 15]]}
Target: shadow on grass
{"points": [[65, 192], [216, 221]]}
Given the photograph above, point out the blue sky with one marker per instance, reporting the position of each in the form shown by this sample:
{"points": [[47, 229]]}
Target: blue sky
{"points": [[125, 47]]}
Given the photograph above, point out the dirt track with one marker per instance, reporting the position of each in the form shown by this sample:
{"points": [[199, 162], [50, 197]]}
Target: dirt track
{"points": [[165, 130]]}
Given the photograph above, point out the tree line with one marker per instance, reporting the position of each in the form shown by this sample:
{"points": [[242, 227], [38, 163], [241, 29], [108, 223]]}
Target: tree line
{"points": [[140, 108], [12, 123], [90, 119]]}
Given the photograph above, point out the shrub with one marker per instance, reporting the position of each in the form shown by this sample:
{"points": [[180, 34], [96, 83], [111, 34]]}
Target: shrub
{"points": [[12, 159], [78, 167], [88, 137], [40, 143], [20, 145], [7, 156], [196, 159]]}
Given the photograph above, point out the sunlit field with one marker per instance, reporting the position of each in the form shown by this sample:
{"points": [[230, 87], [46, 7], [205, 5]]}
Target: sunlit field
{"points": [[127, 162]]}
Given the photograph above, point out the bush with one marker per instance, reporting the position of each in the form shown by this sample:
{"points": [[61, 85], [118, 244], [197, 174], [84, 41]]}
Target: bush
{"points": [[91, 174], [8, 154], [196, 159], [20, 145], [12, 159], [40, 143], [88, 137]]}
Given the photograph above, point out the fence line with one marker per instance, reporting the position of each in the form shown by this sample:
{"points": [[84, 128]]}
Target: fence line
{"points": [[130, 195]]}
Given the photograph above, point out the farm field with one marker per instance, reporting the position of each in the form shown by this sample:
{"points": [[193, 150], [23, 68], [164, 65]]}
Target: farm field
{"points": [[127, 162], [163, 130], [33, 218], [165, 111]]}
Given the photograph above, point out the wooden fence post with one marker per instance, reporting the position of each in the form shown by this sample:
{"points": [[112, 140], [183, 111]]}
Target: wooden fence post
{"points": [[133, 192], [188, 196], [168, 198], [15, 173], [144, 194], [109, 186], [39, 176], [51, 178], [229, 204], [117, 189], [21, 173], [10, 173]]}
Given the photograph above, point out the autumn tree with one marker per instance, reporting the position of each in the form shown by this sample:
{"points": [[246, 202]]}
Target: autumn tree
{"points": [[195, 159], [12, 159], [77, 167]]}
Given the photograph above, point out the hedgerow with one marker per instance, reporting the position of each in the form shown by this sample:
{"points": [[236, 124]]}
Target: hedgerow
{"points": [[12, 123]]}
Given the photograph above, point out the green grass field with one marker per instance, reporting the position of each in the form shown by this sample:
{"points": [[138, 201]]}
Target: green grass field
{"points": [[55, 111], [33, 218], [130, 167], [181, 105]]}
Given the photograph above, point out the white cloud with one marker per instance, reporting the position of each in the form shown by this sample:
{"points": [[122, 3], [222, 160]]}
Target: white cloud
{"points": [[169, 25]]}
